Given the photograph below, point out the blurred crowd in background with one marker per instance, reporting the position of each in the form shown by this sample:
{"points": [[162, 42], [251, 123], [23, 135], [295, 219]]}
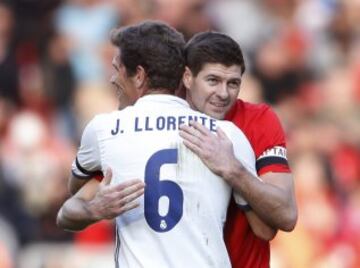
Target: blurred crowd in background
{"points": [[302, 57]]}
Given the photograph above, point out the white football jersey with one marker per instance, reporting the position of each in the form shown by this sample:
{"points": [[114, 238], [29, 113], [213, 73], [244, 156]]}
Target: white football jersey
{"points": [[180, 220]]}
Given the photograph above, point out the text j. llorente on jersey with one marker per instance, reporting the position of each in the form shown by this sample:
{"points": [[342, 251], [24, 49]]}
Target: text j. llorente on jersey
{"points": [[166, 123]]}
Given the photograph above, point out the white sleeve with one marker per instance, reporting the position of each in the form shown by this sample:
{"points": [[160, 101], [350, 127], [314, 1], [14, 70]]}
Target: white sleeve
{"points": [[244, 153], [87, 163]]}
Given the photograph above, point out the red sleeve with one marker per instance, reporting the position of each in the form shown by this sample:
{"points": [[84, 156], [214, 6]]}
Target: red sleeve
{"points": [[263, 129], [99, 177]]}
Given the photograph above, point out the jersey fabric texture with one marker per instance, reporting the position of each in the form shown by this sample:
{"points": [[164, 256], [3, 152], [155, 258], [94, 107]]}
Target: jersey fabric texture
{"points": [[180, 219], [263, 129]]}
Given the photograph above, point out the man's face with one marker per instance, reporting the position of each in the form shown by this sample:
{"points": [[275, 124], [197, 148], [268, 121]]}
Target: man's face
{"points": [[123, 84], [214, 90]]}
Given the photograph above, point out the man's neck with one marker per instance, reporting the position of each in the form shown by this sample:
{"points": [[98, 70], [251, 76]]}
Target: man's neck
{"points": [[159, 91], [188, 99]]}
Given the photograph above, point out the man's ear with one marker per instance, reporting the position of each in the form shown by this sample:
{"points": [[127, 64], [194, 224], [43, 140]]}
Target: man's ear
{"points": [[140, 77], [187, 78]]}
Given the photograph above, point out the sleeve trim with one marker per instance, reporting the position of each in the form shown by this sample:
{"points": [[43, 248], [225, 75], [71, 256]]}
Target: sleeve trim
{"points": [[80, 177], [267, 161], [244, 208], [88, 173]]}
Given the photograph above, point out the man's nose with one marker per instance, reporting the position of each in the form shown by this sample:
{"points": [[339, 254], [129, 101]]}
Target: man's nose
{"points": [[113, 79], [222, 91]]}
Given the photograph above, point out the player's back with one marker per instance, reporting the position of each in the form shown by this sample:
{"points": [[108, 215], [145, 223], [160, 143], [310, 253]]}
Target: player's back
{"points": [[180, 220]]}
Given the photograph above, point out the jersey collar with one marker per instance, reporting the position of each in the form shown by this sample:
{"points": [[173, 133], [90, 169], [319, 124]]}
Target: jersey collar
{"points": [[162, 98]]}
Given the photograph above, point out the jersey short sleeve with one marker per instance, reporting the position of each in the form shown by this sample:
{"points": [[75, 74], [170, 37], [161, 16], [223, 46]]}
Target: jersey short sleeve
{"points": [[87, 163], [271, 155], [265, 133]]}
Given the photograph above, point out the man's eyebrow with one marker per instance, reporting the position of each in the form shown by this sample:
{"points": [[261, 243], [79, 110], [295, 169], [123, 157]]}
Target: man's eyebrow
{"points": [[212, 75], [235, 79]]}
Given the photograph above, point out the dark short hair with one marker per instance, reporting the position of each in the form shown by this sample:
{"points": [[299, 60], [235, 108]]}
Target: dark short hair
{"points": [[155, 46], [212, 47]]}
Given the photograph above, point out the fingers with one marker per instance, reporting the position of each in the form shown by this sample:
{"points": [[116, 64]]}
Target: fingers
{"points": [[188, 135], [118, 210], [129, 206], [193, 147], [121, 194], [129, 184], [127, 202], [115, 202], [130, 188], [190, 141], [196, 137], [196, 126], [197, 130], [199, 127], [130, 198]]}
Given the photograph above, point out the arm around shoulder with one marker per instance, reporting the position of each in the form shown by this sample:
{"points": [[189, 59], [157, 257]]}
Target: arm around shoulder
{"points": [[284, 183], [97, 201], [260, 229], [272, 197], [76, 213]]}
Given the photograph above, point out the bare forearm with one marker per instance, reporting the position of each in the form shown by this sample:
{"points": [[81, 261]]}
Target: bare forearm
{"points": [[259, 227], [272, 200], [274, 205], [75, 184], [75, 215], [96, 201]]}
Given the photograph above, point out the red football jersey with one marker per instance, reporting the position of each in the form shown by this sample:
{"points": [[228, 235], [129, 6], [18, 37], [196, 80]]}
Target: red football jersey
{"points": [[263, 129]]}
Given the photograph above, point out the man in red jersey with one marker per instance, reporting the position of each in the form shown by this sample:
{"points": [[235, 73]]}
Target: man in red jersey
{"points": [[212, 82]]}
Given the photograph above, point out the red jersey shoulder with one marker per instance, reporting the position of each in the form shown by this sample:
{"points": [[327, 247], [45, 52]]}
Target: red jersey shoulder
{"points": [[263, 129]]}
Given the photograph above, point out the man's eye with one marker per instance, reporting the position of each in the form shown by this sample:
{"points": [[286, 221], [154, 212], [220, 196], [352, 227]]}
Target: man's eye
{"points": [[233, 84], [212, 81]]}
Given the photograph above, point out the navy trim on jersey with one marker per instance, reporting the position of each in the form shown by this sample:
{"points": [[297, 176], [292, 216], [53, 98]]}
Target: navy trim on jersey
{"points": [[270, 160], [244, 208], [80, 177], [89, 173]]}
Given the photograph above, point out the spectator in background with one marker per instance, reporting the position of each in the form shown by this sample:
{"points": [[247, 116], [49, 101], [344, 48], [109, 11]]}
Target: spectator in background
{"points": [[8, 67], [60, 86], [85, 24], [33, 166], [9, 80], [189, 16], [8, 244], [135, 11]]}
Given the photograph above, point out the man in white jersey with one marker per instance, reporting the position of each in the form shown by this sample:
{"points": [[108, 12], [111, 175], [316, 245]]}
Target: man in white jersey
{"points": [[178, 222]]}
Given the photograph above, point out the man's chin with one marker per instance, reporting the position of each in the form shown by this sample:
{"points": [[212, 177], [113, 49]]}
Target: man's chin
{"points": [[220, 115]]}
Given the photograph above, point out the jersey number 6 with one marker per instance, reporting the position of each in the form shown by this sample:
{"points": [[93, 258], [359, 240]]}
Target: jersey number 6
{"points": [[156, 188]]}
